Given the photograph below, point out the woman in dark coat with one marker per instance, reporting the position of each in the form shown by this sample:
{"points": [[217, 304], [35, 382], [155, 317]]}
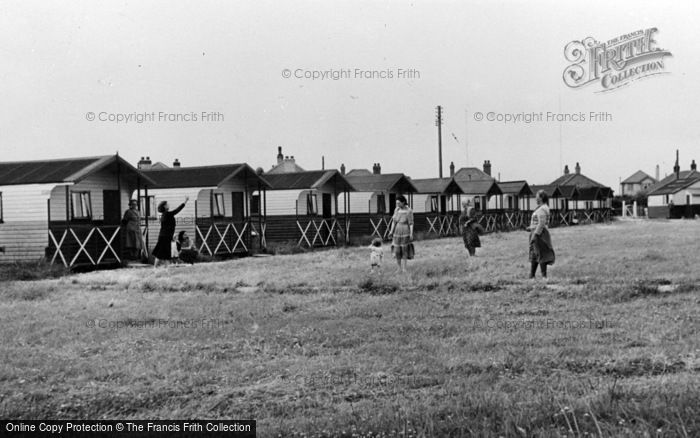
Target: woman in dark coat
{"points": [[131, 223], [470, 228], [163, 250], [541, 250]]}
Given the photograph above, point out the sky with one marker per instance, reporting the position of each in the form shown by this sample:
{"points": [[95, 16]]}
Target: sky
{"points": [[72, 73]]}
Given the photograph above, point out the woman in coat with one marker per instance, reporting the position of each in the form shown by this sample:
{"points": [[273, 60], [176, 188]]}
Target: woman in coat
{"points": [[470, 228], [541, 250], [131, 224], [163, 250]]}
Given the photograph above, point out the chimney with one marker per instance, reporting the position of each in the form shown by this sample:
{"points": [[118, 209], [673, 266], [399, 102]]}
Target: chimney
{"points": [[693, 166], [377, 169], [291, 158], [676, 167], [578, 169], [452, 168], [566, 169], [657, 173], [487, 167], [176, 163], [342, 169], [280, 157], [144, 163]]}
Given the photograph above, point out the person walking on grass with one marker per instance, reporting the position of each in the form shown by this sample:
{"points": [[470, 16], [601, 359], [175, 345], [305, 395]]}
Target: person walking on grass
{"points": [[163, 250], [470, 228], [401, 230], [541, 250]]}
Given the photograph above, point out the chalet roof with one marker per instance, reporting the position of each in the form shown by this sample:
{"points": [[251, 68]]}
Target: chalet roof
{"points": [[551, 190], [518, 188], [472, 174], [480, 188], [671, 184], [204, 176], [310, 179], [590, 193], [569, 192], [64, 170], [637, 177], [443, 186], [391, 182]]}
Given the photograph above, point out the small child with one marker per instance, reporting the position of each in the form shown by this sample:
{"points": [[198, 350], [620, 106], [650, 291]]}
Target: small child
{"points": [[376, 254]]}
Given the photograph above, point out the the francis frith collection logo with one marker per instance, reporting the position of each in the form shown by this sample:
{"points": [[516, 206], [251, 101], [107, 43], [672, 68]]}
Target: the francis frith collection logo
{"points": [[616, 62]]}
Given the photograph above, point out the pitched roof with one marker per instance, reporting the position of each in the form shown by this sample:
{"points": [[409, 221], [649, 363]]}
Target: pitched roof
{"points": [[480, 188], [203, 176], [551, 190], [310, 179], [472, 174], [671, 184], [357, 172], [637, 177], [518, 188], [392, 182], [443, 186], [62, 170], [590, 193], [569, 192], [576, 179], [286, 166]]}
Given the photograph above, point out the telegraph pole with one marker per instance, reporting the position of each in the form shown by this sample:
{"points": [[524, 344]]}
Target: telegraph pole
{"points": [[438, 123]]}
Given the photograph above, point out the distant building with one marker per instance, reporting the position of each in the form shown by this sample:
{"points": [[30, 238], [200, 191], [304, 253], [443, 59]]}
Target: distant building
{"points": [[591, 194], [637, 182], [677, 195], [285, 164]]}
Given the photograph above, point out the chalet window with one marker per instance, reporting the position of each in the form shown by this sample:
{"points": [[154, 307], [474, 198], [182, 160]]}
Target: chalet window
{"points": [[81, 205], [218, 205], [381, 204], [148, 207], [434, 204], [255, 204], [311, 204]]}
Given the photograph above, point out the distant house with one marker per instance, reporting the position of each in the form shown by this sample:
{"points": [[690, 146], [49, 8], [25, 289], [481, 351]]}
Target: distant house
{"points": [[480, 187], [284, 164], [677, 195], [604, 196], [67, 210], [436, 205], [225, 204], [635, 183]]}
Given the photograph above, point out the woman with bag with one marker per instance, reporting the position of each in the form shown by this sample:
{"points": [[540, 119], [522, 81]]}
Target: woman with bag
{"points": [[470, 228], [402, 231]]}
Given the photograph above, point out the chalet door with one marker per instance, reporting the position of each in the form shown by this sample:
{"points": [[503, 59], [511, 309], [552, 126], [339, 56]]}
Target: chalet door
{"points": [[327, 204], [112, 208], [443, 204], [237, 207], [392, 203]]}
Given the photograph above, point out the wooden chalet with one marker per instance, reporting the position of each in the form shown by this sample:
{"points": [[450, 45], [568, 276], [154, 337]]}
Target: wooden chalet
{"points": [[371, 206], [67, 210], [303, 207], [436, 205], [226, 212]]}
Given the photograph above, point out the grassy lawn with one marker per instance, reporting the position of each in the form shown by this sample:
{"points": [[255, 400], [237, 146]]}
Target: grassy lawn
{"points": [[311, 345]]}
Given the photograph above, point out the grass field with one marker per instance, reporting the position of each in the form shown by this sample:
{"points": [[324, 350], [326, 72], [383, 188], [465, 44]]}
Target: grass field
{"points": [[312, 345]]}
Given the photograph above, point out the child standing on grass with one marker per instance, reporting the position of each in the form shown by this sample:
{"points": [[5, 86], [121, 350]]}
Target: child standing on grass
{"points": [[376, 254]]}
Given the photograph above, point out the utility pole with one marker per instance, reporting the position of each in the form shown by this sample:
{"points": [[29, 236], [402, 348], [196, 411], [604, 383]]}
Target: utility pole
{"points": [[438, 123]]}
